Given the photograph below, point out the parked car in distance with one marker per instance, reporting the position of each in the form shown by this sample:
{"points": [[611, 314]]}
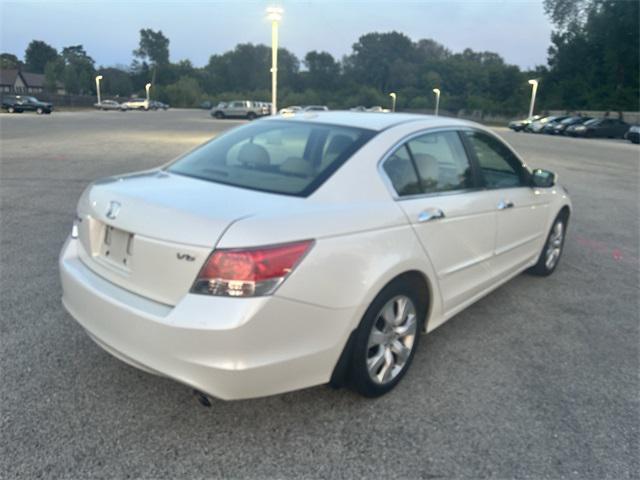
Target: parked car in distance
{"points": [[570, 130], [316, 108], [24, 103], [359, 108], [378, 109], [251, 265], [538, 125], [633, 134], [206, 105], [549, 127], [290, 110], [519, 125], [265, 108], [110, 105], [602, 128], [237, 109], [157, 105], [137, 104], [560, 128]]}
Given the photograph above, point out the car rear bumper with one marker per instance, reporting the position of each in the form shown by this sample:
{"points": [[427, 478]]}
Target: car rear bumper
{"points": [[229, 348]]}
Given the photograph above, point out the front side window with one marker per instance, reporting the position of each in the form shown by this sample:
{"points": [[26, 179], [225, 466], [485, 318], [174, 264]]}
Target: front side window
{"points": [[499, 166], [431, 163], [292, 158]]}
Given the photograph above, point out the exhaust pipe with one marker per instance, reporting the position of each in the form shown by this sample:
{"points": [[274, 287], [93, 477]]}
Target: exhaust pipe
{"points": [[202, 398]]}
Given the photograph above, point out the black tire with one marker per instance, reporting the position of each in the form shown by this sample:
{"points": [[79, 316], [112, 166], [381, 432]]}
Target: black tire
{"points": [[251, 116], [219, 115], [359, 377], [542, 268]]}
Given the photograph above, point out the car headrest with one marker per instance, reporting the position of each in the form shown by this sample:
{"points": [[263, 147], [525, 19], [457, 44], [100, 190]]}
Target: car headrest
{"points": [[338, 144], [428, 167], [253, 155], [297, 166]]}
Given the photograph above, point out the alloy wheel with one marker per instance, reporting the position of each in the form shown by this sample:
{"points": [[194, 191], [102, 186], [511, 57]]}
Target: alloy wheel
{"points": [[554, 246], [391, 339]]}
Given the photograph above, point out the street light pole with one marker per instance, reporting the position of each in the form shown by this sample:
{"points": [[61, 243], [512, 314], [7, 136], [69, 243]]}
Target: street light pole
{"points": [[98, 78], [437, 92], [534, 89], [147, 87], [275, 15], [393, 97]]}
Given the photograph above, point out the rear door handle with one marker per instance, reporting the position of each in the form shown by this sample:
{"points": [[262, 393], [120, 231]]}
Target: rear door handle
{"points": [[430, 214], [505, 204]]}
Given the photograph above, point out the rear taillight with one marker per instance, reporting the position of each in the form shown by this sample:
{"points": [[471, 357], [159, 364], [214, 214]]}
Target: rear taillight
{"points": [[249, 272]]}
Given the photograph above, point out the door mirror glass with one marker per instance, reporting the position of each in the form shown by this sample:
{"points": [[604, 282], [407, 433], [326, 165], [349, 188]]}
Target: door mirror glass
{"points": [[543, 178]]}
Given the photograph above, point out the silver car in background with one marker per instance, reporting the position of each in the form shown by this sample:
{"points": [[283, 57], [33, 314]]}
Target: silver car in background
{"points": [[316, 108], [238, 109], [111, 105], [137, 104]]}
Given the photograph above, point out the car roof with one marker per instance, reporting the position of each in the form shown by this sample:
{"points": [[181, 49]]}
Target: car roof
{"points": [[370, 120]]}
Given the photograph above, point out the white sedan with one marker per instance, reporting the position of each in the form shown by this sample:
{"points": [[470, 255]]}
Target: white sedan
{"points": [[298, 251]]}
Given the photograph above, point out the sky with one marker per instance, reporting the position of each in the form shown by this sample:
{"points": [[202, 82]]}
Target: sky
{"points": [[109, 30]]}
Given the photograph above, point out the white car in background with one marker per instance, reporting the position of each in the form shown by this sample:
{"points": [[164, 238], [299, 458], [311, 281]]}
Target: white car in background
{"points": [[110, 105], [316, 108], [290, 110], [298, 251], [378, 109], [136, 104]]}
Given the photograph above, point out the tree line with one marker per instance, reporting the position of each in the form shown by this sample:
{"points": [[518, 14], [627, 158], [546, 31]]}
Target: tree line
{"points": [[592, 64]]}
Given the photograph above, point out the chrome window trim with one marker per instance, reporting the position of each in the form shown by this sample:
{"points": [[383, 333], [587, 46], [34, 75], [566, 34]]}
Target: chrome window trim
{"points": [[456, 129]]}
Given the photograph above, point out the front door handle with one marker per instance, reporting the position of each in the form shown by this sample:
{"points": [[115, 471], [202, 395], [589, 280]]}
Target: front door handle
{"points": [[430, 214], [505, 204]]}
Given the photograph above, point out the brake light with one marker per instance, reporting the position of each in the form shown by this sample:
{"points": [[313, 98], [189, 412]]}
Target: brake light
{"points": [[249, 272]]}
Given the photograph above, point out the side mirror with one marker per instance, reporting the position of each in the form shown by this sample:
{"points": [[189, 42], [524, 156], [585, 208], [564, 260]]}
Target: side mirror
{"points": [[543, 178]]}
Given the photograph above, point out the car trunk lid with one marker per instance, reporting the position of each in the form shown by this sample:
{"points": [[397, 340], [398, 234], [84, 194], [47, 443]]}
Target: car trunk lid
{"points": [[150, 233]]}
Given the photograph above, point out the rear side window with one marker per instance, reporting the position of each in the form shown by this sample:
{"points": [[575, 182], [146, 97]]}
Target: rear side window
{"points": [[292, 158], [499, 166], [431, 163], [441, 162], [402, 173]]}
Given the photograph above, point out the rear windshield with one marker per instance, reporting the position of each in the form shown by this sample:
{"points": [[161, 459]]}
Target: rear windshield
{"points": [[291, 158]]}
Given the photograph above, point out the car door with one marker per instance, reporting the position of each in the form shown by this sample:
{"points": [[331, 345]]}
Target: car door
{"points": [[455, 221], [23, 103], [605, 128], [521, 211], [234, 109], [620, 129]]}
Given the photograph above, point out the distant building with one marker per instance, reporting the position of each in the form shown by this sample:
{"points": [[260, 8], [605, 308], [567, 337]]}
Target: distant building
{"points": [[16, 81]]}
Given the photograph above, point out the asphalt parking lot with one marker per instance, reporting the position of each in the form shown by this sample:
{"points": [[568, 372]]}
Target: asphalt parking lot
{"points": [[537, 380]]}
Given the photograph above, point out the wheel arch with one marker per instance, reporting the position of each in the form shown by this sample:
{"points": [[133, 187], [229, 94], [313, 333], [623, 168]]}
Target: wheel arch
{"points": [[565, 213], [424, 286]]}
